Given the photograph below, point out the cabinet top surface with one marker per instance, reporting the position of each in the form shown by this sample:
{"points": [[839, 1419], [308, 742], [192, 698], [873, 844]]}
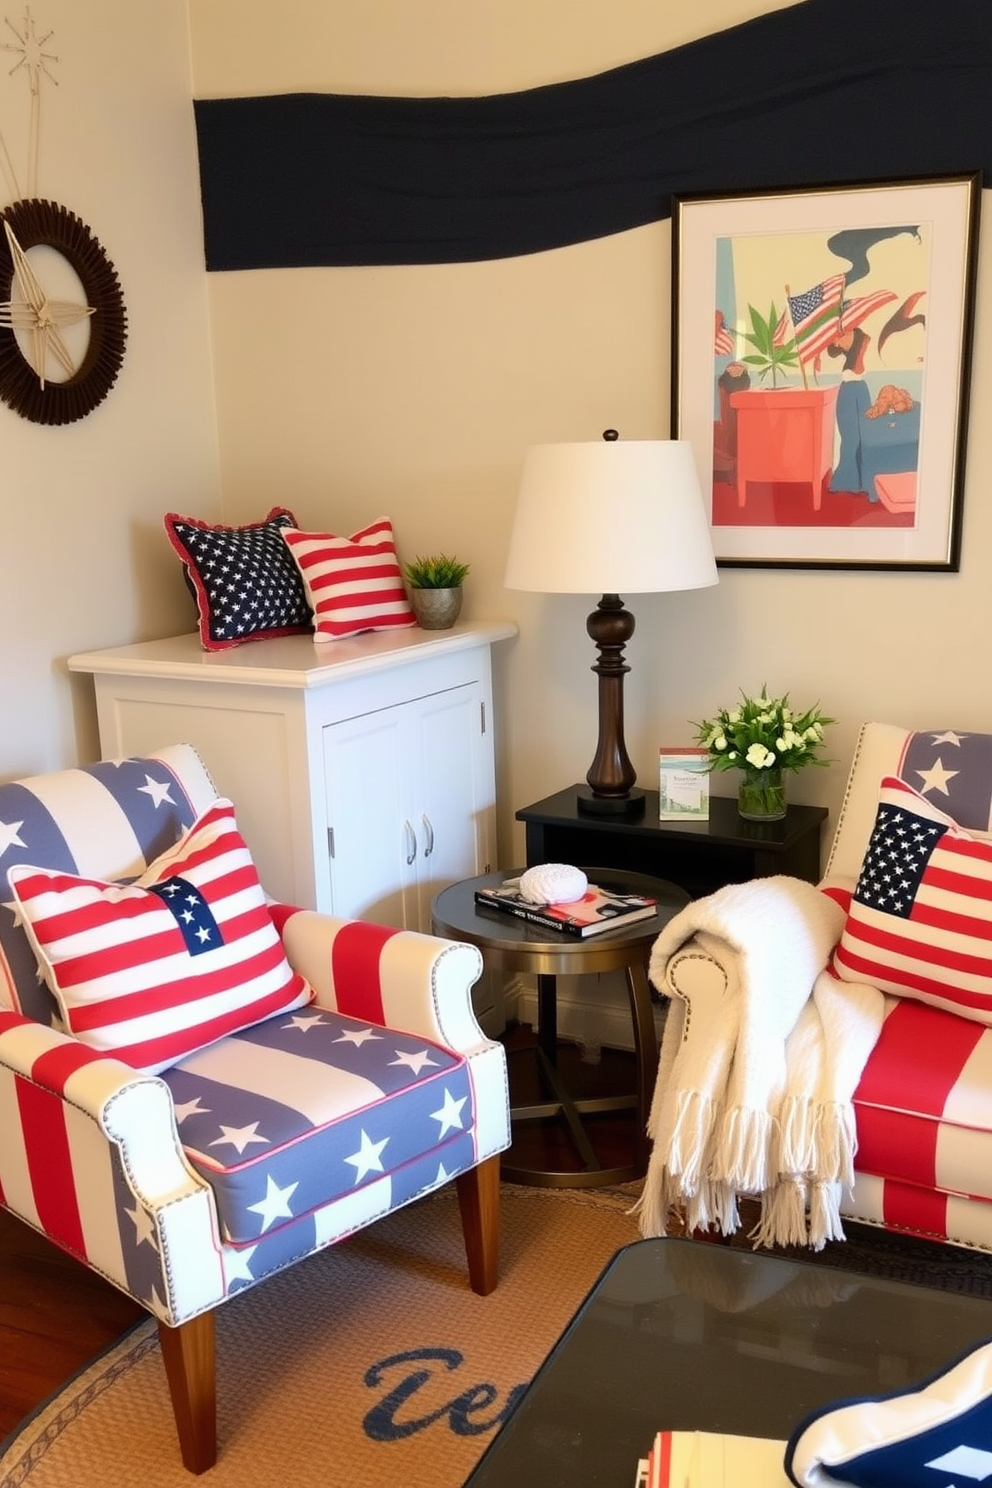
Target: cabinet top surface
{"points": [[288, 661]]}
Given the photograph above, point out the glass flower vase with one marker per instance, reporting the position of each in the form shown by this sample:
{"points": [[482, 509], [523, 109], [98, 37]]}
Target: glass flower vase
{"points": [[761, 795]]}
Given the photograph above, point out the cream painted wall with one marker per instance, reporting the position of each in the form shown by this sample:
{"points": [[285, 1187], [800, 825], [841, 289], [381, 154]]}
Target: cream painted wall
{"points": [[416, 390], [83, 557]]}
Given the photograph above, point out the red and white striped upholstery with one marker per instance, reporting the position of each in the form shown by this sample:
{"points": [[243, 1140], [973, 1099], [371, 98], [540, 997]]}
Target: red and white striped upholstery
{"points": [[924, 1103], [91, 1150], [923, 1106]]}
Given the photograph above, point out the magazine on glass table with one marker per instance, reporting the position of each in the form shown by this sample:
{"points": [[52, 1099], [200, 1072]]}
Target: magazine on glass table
{"points": [[704, 1459], [596, 911]]}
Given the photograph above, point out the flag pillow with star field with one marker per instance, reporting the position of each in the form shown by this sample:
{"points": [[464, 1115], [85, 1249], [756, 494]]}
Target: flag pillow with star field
{"points": [[153, 969], [920, 920], [244, 581]]}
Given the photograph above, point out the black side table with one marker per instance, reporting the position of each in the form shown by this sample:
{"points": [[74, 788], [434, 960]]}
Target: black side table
{"points": [[699, 856]]}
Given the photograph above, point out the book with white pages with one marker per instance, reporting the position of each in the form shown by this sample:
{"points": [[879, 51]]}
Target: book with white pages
{"points": [[704, 1459]]}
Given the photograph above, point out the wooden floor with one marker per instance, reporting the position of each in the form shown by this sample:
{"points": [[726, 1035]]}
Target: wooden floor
{"points": [[55, 1314]]}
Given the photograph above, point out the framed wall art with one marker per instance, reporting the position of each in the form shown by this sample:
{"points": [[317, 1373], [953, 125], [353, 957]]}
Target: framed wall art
{"points": [[821, 343]]}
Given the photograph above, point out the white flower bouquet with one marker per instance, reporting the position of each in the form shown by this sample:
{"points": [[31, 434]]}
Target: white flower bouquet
{"points": [[763, 733]]}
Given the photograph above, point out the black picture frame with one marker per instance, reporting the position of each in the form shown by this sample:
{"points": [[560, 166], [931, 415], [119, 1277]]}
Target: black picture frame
{"points": [[821, 353]]}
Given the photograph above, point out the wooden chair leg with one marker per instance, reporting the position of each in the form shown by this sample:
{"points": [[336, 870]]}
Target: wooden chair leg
{"points": [[190, 1366], [478, 1200]]}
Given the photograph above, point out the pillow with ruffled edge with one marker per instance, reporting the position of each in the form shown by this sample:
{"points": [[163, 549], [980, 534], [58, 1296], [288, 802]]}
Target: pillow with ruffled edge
{"points": [[152, 970], [353, 583], [245, 583], [920, 919]]}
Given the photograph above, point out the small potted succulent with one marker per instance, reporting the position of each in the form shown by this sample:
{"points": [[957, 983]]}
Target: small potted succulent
{"points": [[435, 585]]}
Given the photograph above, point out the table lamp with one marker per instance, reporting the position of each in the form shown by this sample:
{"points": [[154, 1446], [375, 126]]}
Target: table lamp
{"points": [[608, 517]]}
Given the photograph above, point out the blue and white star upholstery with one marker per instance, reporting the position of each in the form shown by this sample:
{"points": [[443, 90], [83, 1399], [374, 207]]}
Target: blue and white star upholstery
{"points": [[923, 1106], [192, 1185]]}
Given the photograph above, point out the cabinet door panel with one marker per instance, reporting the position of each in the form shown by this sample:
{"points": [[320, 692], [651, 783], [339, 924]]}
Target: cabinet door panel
{"points": [[452, 801], [366, 775]]}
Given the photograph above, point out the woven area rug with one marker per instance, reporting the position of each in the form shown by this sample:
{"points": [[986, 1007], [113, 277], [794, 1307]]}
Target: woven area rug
{"points": [[369, 1363], [374, 1362]]}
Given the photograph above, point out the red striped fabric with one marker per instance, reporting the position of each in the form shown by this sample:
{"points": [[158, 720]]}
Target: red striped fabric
{"points": [[55, 1067], [921, 1211], [897, 1144], [661, 1461], [355, 962], [151, 976], [49, 1159], [353, 583], [896, 1077], [920, 921]]}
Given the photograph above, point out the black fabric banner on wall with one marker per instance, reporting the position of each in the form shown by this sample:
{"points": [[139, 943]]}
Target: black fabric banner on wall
{"points": [[825, 91]]}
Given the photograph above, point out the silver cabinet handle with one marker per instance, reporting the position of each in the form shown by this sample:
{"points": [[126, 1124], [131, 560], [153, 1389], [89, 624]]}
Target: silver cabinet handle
{"points": [[411, 838], [429, 830]]}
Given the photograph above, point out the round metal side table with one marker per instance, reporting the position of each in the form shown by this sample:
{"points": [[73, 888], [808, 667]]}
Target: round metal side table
{"points": [[515, 945]]}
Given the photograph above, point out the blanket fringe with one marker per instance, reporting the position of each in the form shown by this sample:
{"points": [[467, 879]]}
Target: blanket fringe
{"points": [[652, 1208], [712, 1206], [798, 1119], [691, 1141], [743, 1150], [782, 1220], [824, 1214], [836, 1144]]}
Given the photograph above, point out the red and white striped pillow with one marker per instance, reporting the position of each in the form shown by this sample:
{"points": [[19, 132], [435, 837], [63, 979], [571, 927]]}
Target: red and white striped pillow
{"points": [[920, 920], [353, 583], [157, 968]]}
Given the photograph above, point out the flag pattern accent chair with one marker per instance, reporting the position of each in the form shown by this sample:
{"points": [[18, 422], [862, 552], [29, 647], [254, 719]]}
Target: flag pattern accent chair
{"points": [[911, 867], [349, 1079]]}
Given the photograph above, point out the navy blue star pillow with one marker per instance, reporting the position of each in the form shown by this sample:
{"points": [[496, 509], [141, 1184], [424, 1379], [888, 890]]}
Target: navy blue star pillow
{"points": [[244, 580], [937, 1433]]}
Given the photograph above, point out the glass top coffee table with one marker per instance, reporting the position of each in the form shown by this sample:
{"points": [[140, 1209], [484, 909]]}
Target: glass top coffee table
{"points": [[682, 1335]]}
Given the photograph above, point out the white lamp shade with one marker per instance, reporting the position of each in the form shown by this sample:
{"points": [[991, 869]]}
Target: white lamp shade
{"points": [[610, 517]]}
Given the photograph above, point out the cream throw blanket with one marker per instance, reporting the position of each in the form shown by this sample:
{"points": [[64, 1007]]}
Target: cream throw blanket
{"points": [[757, 1073]]}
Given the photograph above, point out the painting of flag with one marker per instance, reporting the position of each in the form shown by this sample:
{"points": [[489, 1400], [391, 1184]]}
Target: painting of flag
{"points": [[815, 317], [820, 356]]}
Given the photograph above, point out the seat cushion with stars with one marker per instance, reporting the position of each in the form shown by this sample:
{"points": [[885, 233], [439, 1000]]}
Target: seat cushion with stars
{"points": [[299, 1111]]}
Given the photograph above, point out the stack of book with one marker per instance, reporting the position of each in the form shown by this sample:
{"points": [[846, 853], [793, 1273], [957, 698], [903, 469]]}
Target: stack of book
{"points": [[596, 911], [703, 1459]]}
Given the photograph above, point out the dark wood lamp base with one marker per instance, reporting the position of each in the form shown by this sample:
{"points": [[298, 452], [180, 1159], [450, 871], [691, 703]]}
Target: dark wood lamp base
{"points": [[611, 775]]}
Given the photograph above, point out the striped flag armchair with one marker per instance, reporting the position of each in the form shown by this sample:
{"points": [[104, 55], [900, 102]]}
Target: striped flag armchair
{"points": [[869, 998], [199, 1087]]}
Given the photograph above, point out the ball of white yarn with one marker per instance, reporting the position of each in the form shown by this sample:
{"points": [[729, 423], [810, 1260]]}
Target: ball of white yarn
{"points": [[553, 883]]}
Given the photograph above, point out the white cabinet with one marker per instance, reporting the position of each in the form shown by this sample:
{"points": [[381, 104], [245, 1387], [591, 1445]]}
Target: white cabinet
{"points": [[362, 770], [421, 771]]}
